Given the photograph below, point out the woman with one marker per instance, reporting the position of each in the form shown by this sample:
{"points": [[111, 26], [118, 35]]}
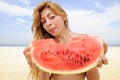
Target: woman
{"points": [[50, 21]]}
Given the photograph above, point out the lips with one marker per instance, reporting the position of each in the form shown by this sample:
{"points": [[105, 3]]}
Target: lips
{"points": [[52, 30]]}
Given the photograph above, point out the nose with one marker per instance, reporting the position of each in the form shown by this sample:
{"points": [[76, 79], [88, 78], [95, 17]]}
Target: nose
{"points": [[48, 23]]}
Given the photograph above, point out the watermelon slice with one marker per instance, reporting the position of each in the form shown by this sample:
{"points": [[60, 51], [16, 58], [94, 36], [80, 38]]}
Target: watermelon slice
{"points": [[80, 55]]}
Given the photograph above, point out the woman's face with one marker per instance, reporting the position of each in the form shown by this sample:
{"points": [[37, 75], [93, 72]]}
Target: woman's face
{"points": [[52, 23]]}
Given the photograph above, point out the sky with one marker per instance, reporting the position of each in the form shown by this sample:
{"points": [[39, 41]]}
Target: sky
{"points": [[92, 17]]}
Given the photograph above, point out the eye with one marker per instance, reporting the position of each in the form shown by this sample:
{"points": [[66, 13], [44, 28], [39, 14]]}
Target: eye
{"points": [[52, 17], [43, 21]]}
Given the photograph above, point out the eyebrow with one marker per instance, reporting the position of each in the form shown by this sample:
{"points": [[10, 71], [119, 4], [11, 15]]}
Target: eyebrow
{"points": [[47, 14]]}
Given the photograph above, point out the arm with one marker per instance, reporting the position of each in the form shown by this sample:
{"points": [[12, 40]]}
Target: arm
{"points": [[35, 72], [93, 74]]}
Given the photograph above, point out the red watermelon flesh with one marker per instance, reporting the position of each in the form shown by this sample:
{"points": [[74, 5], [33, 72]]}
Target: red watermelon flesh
{"points": [[78, 56]]}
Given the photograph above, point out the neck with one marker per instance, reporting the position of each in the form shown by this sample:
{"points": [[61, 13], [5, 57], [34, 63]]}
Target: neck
{"points": [[64, 37]]}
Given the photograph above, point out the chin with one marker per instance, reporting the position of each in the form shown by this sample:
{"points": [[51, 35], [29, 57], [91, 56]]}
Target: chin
{"points": [[54, 34]]}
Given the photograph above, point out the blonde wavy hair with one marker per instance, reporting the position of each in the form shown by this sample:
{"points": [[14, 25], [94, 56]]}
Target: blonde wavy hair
{"points": [[37, 27], [38, 30]]}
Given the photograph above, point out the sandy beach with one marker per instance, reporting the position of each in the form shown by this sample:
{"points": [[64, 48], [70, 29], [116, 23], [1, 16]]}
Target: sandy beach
{"points": [[13, 65]]}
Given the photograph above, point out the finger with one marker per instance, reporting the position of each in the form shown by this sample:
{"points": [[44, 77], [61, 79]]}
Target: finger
{"points": [[104, 60], [99, 63], [26, 50], [27, 54], [28, 57]]}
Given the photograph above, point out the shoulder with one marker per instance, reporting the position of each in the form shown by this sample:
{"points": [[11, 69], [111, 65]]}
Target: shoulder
{"points": [[78, 34]]}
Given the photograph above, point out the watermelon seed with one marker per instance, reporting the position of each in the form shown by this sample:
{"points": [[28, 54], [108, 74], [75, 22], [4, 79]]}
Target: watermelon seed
{"points": [[88, 55], [85, 59], [81, 57], [77, 61], [63, 53], [81, 63], [45, 52], [68, 56]]}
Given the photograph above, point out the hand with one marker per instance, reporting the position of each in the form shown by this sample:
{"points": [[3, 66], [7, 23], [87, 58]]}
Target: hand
{"points": [[27, 54], [102, 60]]}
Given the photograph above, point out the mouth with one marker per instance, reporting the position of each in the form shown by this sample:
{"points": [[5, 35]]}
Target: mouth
{"points": [[52, 30]]}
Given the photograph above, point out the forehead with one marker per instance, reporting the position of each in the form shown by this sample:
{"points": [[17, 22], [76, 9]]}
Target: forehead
{"points": [[46, 12]]}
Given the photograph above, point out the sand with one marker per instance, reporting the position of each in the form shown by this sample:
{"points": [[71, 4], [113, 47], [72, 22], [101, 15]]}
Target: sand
{"points": [[112, 70], [13, 65]]}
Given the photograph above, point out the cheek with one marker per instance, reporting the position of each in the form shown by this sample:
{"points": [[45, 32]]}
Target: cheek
{"points": [[59, 21]]}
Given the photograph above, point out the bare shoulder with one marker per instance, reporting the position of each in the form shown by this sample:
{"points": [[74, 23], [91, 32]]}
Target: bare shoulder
{"points": [[78, 34]]}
